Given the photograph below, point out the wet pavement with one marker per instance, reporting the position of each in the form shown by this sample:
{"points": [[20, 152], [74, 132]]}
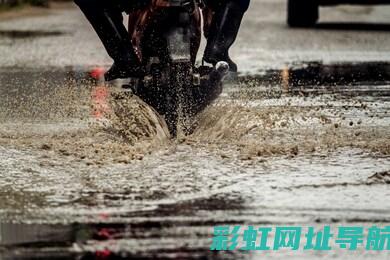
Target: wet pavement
{"points": [[301, 139]]}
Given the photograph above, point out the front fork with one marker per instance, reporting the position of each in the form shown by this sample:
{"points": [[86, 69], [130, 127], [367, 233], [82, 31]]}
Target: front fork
{"points": [[179, 39], [180, 98]]}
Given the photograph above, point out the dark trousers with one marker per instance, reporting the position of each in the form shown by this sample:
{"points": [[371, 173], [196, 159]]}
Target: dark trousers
{"points": [[217, 4], [106, 18]]}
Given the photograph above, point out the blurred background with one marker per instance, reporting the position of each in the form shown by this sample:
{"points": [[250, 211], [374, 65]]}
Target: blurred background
{"points": [[61, 36], [301, 139]]}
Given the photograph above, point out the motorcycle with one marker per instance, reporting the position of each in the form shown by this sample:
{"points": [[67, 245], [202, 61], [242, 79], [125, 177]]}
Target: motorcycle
{"points": [[166, 37]]}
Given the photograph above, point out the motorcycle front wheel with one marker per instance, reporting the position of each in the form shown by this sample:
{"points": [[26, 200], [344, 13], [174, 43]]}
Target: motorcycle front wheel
{"points": [[179, 98]]}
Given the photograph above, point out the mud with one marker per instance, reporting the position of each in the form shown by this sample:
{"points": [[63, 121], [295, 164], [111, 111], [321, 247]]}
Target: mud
{"points": [[255, 119], [286, 126], [74, 150], [20, 34], [77, 119]]}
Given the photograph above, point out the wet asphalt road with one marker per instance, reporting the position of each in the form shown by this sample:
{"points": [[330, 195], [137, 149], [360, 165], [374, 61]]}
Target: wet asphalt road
{"points": [[302, 139]]}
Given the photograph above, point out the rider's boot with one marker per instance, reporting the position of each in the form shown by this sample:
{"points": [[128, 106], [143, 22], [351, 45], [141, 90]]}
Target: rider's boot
{"points": [[108, 24], [223, 32]]}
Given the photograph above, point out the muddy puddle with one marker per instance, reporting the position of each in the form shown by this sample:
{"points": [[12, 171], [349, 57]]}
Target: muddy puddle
{"points": [[29, 34], [302, 145]]}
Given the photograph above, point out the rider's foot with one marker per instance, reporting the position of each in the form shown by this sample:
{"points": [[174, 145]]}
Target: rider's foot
{"points": [[216, 57], [224, 28], [121, 71]]}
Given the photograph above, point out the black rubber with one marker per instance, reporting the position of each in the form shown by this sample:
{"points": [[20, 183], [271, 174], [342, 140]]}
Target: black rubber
{"points": [[302, 13]]}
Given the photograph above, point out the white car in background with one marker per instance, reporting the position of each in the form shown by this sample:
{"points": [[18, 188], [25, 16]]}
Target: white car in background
{"points": [[305, 13]]}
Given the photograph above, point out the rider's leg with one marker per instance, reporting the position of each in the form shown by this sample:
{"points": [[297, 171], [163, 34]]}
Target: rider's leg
{"points": [[223, 30], [106, 18]]}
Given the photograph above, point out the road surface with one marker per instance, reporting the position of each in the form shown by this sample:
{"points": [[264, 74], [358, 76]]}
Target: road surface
{"points": [[302, 140]]}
